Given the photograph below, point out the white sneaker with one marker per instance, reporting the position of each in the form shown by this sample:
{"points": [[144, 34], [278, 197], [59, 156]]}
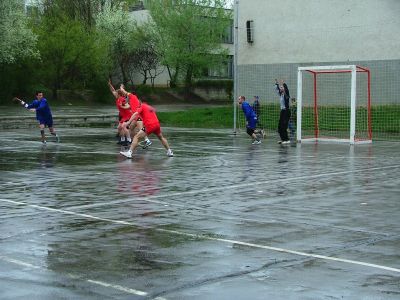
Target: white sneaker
{"points": [[146, 144], [170, 153], [127, 154], [286, 142], [256, 142]]}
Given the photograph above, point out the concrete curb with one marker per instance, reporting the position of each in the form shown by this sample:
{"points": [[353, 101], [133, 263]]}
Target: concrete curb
{"points": [[104, 120]]}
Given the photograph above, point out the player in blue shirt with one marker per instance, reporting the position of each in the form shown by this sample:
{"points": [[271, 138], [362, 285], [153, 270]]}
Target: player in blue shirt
{"points": [[251, 119], [43, 114]]}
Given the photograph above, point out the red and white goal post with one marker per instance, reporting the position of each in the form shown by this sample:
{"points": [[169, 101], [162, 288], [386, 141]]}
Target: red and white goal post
{"points": [[334, 104]]}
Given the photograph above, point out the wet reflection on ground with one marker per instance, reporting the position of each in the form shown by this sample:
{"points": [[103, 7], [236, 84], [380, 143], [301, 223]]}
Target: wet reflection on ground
{"points": [[220, 220]]}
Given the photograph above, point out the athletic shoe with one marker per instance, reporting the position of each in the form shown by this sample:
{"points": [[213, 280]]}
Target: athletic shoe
{"points": [[286, 142], [256, 142], [279, 142], [170, 153], [146, 144], [44, 142], [127, 154]]}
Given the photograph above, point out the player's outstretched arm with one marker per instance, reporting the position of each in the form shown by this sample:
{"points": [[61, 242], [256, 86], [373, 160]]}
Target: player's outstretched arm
{"points": [[23, 103], [122, 88], [132, 119], [112, 89]]}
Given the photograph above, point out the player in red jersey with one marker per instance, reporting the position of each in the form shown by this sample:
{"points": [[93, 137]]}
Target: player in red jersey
{"points": [[125, 113], [135, 103], [151, 125]]}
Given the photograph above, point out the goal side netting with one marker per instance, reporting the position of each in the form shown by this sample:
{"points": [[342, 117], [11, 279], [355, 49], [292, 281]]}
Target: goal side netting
{"points": [[334, 104]]}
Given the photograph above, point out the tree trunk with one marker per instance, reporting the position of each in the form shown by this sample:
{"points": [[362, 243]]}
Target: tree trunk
{"points": [[144, 77], [173, 77], [188, 82], [123, 72]]}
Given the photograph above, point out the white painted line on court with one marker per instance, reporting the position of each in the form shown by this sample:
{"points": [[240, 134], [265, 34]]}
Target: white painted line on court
{"points": [[77, 277], [236, 186], [204, 237], [18, 262], [287, 251], [118, 287]]}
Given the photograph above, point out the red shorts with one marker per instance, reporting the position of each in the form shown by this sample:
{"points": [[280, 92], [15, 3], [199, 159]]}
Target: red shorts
{"points": [[153, 128], [123, 120]]}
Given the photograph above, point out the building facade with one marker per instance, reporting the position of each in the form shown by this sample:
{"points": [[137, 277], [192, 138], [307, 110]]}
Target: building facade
{"points": [[276, 37]]}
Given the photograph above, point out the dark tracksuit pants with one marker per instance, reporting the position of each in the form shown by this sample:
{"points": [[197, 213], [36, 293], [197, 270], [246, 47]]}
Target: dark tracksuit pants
{"points": [[283, 124]]}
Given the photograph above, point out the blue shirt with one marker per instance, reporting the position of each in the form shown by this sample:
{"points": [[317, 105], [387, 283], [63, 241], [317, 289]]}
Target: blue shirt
{"points": [[251, 117], [43, 112]]}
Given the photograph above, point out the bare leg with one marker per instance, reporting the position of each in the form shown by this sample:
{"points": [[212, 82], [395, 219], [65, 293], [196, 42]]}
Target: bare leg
{"points": [[120, 129], [41, 126], [163, 141], [53, 132], [139, 126], [136, 138]]}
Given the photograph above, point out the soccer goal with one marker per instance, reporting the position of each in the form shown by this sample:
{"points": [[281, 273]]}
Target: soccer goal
{"points": [[334, 104]]}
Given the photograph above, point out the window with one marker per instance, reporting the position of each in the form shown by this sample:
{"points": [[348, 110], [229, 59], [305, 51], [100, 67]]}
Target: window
{"points": [[249, 30], [227, 37], [221, 71]]}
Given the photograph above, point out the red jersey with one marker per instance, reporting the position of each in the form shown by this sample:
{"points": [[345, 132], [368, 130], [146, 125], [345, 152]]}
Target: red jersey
{"points": [[149, 118], [133, 102], [148, 114], [125, 113]]}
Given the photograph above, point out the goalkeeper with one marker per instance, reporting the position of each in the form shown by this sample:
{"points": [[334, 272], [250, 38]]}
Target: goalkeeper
{"points": [[284, 117], [251, 119], [43, 114]]}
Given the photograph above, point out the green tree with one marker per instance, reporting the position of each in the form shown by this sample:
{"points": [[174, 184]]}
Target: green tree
{"points": [[189, 35], [71, 54], [18, 49], [85, 11], [117, 29], [17, 41], [146, 58]]}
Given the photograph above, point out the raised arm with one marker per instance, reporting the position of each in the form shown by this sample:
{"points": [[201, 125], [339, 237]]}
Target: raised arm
{"points": [[277, 89], [23, 103], [112, 89], [122, 88], [286, 88]]}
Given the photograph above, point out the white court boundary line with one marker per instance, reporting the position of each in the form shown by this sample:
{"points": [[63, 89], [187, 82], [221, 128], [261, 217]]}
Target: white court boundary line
{"points": [[204, 237], [233, 186], [77, 277]]}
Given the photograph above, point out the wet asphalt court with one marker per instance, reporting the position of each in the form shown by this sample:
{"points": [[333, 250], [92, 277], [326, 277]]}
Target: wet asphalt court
{"points": [[223, 219]]}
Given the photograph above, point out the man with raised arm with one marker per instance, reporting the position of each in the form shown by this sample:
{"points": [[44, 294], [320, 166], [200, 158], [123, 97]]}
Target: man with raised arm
{"points": [[284, 116], [135, 103], [124, 114]]}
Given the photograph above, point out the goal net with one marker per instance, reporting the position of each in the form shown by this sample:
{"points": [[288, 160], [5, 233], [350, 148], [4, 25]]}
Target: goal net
{"points": [[334, 104]]}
